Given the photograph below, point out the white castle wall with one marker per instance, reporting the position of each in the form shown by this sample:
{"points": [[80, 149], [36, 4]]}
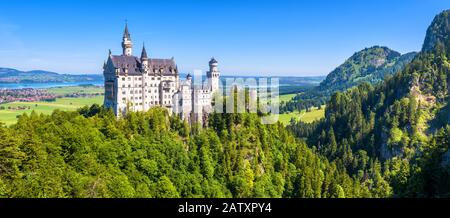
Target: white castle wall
{"points": [[152, 88]]}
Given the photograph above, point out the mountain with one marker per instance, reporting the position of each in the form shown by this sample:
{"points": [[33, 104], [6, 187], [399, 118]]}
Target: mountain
{"points": [[400, 126], [368, 65], [437, 33], [8, 75]]}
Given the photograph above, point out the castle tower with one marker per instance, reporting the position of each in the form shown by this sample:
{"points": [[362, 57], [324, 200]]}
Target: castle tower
{"points": [[127, 45], [213, 75], [144, 58]]}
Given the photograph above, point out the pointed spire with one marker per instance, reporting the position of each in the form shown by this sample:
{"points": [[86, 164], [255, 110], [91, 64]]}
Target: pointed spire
{"points": [[127, 45], [213, 61], [126, 34], [144, 52]]}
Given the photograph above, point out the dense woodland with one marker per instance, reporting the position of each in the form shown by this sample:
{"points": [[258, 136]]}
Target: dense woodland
{"points": [[90, 153], [370, 65], [402, 123], [384, 140]]}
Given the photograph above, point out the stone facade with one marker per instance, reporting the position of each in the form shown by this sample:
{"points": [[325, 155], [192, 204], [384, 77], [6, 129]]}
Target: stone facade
{"points": [[138, 84]]}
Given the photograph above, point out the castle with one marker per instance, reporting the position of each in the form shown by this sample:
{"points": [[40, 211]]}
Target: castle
{"points": [[140, 83]]}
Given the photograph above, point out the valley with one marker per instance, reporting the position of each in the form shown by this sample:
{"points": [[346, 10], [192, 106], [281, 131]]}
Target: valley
{"points": [[72, 98], [377, 126]]}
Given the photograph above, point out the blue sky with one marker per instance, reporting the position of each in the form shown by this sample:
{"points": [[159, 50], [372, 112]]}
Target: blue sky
{"points": [[247, 37]]}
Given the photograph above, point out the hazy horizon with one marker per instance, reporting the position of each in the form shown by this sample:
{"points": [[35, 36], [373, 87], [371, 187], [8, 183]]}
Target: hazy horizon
{"points": [[182, 73], [261, 38]]}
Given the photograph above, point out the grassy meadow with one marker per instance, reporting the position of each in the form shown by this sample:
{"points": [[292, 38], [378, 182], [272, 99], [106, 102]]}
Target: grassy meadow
{"points": [[9, 116], [287, 97], [76, 89], [307, 117]]}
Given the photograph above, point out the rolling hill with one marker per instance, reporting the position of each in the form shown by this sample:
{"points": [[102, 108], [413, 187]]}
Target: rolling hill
{"points": [[8, 75], [370, 65]]}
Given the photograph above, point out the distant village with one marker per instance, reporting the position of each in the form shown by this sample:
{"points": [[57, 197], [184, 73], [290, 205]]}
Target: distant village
{"points": [[25, 95], [33, 95]]}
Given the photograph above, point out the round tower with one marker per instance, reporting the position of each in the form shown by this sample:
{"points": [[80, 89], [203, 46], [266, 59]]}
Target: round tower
{"points": [[127, 45], [213, 75]]}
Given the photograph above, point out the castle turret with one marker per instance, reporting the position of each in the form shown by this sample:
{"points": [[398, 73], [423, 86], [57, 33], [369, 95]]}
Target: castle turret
{"points": [[127, 45], [144, 58], [213, 75], [189, 78]]}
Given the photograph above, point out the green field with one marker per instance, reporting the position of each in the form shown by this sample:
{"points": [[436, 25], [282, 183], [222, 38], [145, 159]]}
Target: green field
{"points": [[76, 89], [287, 97], [308, 117], [9, 116], [67, 104], [70, 104], [281, 98]]}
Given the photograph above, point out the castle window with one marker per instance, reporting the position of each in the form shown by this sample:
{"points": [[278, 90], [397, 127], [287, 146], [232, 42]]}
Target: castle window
{"points": [[124, 92], [123, 78], [129, 86]]}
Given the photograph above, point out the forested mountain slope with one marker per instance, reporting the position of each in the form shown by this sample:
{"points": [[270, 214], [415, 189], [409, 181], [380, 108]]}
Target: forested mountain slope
{"points": [[90, 153], [370, 65], [402, 122]]}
